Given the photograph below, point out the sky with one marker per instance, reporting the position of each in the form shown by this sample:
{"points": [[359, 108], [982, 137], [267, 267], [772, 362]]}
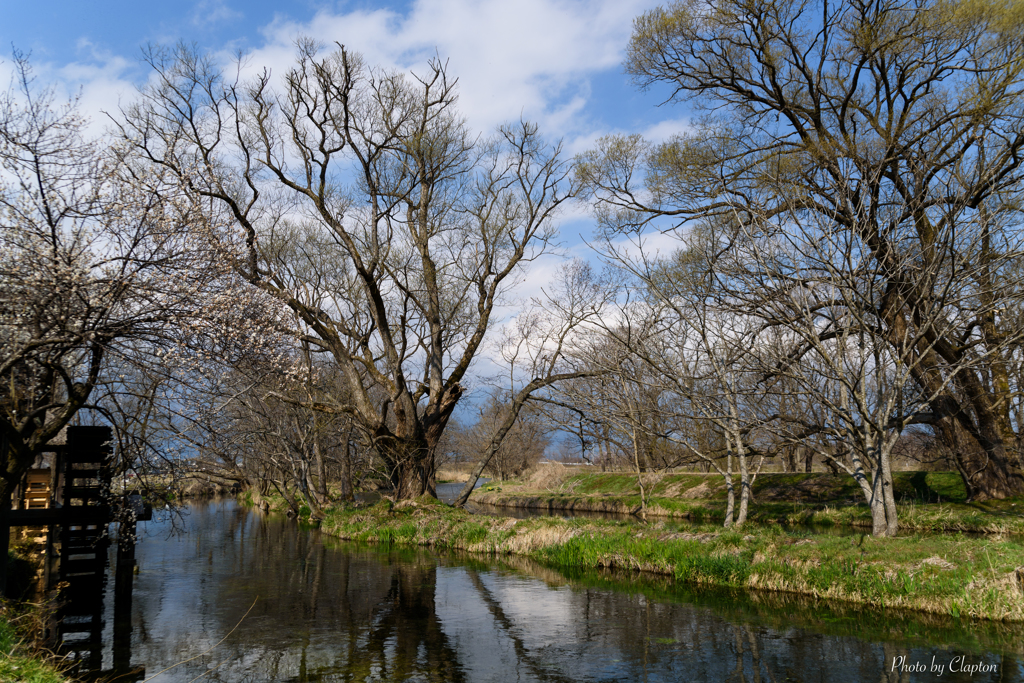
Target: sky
{"points": [[557, 63]]}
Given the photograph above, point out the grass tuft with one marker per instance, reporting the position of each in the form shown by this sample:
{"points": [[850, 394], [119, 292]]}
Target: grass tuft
{"points": [[19, 664]]}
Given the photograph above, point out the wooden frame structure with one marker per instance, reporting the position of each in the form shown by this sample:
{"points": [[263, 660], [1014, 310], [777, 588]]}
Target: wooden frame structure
{"points": [[66, 498]]}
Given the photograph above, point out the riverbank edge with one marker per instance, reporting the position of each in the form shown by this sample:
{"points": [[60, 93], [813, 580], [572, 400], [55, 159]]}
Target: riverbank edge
{"points": [[935, 517], [18, 664], [955, 575]]}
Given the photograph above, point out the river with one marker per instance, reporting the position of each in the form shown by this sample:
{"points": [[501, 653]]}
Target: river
{"points": [[244, 597]]}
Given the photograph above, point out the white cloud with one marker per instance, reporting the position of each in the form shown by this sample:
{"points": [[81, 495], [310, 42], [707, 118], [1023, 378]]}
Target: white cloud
{"points": [[532, 58], [101, 84], [210, 12], [663, 130], [99, 80]]}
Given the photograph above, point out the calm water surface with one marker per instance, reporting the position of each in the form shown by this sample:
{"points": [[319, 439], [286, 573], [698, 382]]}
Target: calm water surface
{"points": [[243, 597]]}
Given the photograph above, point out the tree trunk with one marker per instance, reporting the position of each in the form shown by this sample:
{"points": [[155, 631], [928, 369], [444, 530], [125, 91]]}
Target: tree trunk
{"points": [[642, 513], [412, 471], [982, 462], [879, 524], [346, 469], [316, 514], [293, 504], [321, 471], [730, 501], [975, 435], [888, 492], [5, 536], [744, 490], [873, 494], [866, 458], [498, 438], [741, 517]]}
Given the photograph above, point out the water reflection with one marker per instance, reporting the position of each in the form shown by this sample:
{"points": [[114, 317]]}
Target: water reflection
{"points": [[329, 611]]}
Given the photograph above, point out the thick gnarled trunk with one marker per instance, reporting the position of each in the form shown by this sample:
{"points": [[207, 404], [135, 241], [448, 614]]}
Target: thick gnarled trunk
{"points": [[410, 465], [413, 476], [981, 459]]}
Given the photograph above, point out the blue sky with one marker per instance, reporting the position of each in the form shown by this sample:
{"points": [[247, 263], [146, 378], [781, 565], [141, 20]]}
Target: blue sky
{"points": [[555, 62]]}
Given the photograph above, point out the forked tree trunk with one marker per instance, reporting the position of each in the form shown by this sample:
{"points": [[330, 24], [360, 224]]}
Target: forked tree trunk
{"points": [[883, 507], [872, 471], [872, 489], [412, 469], [307, 489]]}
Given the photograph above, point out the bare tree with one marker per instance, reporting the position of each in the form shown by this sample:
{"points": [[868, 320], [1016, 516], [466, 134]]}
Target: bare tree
{"points": [[821, 306], [521, 448], [359, 200], [897, 125], [619, 410], [543, 350], [688, 337], [90, 271], [580, 409]]}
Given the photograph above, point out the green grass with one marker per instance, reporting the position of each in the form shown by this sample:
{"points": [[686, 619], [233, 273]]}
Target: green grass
{"points": [[955, 575], [20, 666], [928, 501], [783, 611], [688, 560]]}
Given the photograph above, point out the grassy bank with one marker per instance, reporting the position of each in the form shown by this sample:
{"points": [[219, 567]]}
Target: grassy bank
{"points": [[952, 575], [928, 501], [776, 610], [17, 663]]}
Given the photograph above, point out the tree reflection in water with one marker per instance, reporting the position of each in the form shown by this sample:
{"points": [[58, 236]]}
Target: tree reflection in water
{"points": [[330, 611]]}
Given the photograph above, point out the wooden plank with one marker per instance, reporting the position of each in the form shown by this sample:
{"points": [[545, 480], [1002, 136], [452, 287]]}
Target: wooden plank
{"points": [[92, 514]]}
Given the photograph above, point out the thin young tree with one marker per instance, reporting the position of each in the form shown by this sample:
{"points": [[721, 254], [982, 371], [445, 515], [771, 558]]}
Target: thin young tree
{"points": [[698, 347], [543, 349]]}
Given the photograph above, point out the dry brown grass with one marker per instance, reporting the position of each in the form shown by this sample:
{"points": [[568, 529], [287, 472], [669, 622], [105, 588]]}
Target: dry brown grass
{"points": [[547, 477], [534, 539], [701, 490], [456, 472]]}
